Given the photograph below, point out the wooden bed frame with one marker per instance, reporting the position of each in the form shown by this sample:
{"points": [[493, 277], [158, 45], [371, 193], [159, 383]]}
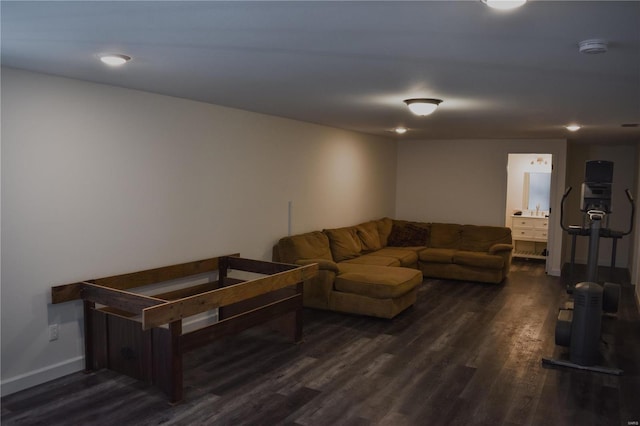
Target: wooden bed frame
{"points": [[142, 335]]}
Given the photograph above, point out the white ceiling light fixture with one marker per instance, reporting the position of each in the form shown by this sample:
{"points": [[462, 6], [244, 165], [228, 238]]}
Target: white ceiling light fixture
{"points": [[115, 59], [400, 130], [422, 106], [572, 127], [593, 46], [504, 4]]}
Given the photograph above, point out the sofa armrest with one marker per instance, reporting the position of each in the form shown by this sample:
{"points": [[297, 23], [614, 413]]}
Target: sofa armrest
{"points": [[323, 264], [496, 248], [505, 251]]}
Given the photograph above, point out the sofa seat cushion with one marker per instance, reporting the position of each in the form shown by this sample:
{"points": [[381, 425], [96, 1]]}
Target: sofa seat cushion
{"points": [[437, 255], [378, 282], [406, 255], [374, 259], [483, 260]]}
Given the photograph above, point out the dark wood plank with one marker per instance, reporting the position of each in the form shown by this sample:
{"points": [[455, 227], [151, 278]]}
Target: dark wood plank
{"points": [[119, 299], [158, 275], [129, 348], [96, 342], [240, 322], [187, 291], [228, 311], [258, 266], [66, 292]]}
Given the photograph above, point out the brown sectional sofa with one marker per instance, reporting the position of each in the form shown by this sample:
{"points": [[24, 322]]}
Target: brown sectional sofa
{"points": [[375, 268]]}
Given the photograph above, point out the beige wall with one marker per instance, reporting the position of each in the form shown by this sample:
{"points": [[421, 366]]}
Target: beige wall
{"points": [[465, 181], [98, 180]]}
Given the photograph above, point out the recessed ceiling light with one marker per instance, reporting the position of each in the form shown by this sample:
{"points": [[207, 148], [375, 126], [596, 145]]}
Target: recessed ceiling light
{"points": [[572, 127], [115, 59], [422, 106], [400, 130], [504, 4]]}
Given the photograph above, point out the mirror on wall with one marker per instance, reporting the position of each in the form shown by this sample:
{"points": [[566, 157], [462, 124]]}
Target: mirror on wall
{"points": [[536, 191]]}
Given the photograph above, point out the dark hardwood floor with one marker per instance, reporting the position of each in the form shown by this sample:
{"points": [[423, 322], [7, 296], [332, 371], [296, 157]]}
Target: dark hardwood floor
{"points": [[465, 354]]}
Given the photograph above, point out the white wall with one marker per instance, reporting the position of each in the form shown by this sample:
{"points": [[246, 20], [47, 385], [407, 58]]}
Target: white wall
{"points": [[98, 180], [465, 181]]}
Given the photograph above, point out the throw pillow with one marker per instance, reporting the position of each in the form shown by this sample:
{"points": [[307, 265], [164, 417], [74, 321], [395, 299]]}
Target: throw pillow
{"points": [[409, 235]]}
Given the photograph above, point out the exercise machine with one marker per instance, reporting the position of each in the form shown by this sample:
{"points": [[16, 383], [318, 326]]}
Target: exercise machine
{"points": [[579, 322]]}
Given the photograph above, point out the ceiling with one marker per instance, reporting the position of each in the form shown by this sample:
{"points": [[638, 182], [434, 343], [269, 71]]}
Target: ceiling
{"points": [[350, 65]]}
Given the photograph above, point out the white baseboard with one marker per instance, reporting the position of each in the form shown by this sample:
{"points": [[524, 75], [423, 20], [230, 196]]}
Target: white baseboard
{"points": [[55, 371], [41, 375]]}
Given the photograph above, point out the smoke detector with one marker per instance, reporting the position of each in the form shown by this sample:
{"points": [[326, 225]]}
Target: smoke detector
{"points": [[593, 46]]}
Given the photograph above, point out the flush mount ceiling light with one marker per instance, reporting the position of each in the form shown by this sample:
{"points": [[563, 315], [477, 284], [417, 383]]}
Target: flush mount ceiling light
{"points": [[504, 4], [400, 130], [593, 46], [572, 127], [115, 59], [422, 106]]}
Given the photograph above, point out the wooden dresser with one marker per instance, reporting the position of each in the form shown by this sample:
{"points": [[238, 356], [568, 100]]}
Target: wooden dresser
{"points": [[530, 236]]}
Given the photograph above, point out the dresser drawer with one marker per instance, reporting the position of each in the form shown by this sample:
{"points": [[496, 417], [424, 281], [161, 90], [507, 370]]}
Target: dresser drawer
{"points": [[523, 233], [541, 223], [523, 223], [540, 234]]}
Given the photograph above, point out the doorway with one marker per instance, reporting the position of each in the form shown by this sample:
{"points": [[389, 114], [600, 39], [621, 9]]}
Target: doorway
{"points": [[528, 204]]}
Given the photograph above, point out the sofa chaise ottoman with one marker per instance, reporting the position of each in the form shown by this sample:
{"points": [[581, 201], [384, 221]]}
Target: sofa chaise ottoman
{"points": [[378, 290]]}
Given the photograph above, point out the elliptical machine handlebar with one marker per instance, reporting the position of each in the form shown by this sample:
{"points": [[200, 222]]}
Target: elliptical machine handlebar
{"points": [[564, 198], [633, 211], [574, 229], [626, 191]]}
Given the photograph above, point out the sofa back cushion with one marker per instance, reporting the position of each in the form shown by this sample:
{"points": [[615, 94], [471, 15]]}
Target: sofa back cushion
{"points": [[369, 236], [445, 235], [384, 229], [481, 238], [344, 243], [409, 234], [312, 245]]}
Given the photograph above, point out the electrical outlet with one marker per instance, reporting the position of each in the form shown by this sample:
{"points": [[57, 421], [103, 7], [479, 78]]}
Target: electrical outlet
{"points": [[53, 332]]}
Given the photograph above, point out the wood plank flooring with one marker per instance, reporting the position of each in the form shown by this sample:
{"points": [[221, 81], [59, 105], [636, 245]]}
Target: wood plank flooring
{"points": [[465, 354]]}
